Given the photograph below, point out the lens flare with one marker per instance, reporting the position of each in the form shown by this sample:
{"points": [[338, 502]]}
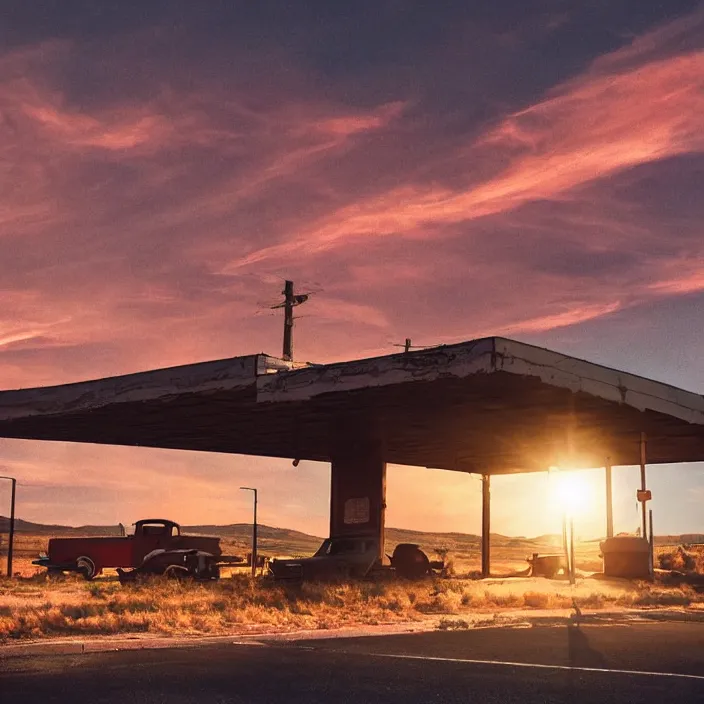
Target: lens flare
{"points": [[572, 493]]}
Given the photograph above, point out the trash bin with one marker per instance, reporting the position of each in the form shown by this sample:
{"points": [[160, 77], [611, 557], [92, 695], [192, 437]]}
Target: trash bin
{"points": [[626, 556], [546, 565]]}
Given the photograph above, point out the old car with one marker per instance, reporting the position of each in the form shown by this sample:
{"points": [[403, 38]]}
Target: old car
{"points": [[336, 558], [178, 564], [354, 556], [89, 556]]}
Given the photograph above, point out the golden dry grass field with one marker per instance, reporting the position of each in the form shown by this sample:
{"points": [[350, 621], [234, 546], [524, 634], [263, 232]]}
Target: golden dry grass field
{"points": [[34, 606]]}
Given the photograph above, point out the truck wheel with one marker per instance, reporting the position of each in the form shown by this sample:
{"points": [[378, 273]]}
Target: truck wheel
{"points": [[86, 567]]}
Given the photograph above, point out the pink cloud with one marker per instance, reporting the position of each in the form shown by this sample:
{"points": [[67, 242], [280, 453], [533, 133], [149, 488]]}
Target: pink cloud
{"points": [[353, 124], [80, 130], [573, 316], [588, 129], [330, 309], [685, 283], [148, 215]]}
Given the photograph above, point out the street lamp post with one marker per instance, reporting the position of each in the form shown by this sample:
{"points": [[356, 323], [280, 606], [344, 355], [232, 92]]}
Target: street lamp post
{"points": [[254, 530], [11, 537]]}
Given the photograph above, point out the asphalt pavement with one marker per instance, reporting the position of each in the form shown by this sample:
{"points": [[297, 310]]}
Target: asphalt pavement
{"points": [[642, 663]]}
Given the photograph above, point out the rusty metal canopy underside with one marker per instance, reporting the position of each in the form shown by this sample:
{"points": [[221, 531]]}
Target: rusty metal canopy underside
{"points": [[491, 405]]}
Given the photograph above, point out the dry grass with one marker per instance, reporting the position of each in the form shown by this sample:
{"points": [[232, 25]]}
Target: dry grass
{"points": [[34, 606], [37, 607], [681, 558]]}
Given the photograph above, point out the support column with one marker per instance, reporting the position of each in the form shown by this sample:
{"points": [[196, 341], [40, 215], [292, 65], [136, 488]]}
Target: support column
{"points": [[486, 525], [358, 495], [609, 501]]}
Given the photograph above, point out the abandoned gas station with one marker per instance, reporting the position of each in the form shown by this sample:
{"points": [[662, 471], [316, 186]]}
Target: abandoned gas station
{"points": [[490, 406]]}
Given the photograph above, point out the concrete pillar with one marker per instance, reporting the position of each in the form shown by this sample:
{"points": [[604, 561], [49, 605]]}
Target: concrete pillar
{"points": [[609, 501], [486, 525], [358, 495]]}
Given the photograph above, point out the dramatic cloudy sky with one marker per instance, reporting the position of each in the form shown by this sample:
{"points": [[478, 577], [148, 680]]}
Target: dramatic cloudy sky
{"points": [[439, 171]]}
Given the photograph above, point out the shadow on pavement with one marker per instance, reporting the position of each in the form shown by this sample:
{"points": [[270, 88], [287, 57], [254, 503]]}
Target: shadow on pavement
{"points": [[580, 651]]}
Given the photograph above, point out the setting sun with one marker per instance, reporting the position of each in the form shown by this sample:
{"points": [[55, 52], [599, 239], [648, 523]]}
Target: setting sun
{"points": [[572, 493]]}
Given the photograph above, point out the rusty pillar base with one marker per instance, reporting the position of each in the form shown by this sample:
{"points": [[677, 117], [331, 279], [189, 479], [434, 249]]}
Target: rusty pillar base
{"points": [[358, 495]]}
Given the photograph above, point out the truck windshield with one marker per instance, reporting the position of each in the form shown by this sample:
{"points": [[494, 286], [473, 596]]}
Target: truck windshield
{"points": [[154, 530], [324, 549]]}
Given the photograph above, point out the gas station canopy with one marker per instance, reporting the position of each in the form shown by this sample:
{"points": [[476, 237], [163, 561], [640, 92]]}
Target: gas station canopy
{"points": [[490, 406]]}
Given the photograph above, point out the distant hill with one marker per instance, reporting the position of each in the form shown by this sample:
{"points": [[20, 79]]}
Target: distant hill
{"points": [[244, 530], [285, 538], [239, 532], [684, 538], [55, 530]]}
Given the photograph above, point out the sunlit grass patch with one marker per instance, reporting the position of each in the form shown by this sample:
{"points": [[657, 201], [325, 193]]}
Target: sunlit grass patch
{"points": [[30, 608]]}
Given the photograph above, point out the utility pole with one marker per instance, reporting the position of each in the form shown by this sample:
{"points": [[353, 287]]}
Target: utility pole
{"points": [[11, 536], [572, 560], [290, 301], [288, 321], [609, 501], [407, 346]]}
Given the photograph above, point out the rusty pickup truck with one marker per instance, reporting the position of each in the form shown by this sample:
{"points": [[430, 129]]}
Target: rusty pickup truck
{"points": [[89, 556]]}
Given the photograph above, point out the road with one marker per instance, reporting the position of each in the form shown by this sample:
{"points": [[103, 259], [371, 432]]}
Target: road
{"points": [[645, 663]]}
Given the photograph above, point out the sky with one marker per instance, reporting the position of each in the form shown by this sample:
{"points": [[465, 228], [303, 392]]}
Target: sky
{"points": [[440, 171]]}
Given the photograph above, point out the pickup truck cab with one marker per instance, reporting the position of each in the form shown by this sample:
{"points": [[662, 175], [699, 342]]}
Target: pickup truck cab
{"points": [[89, 556]]}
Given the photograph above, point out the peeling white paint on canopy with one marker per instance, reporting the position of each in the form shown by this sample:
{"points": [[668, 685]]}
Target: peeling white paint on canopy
{"points": [[221, 375], [486, 356], [491, 405]]}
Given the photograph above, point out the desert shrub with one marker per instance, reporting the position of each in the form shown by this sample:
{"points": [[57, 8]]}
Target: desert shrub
{"points": [[662, 597], [373, 589], [447, 602], [452, 624], [503, 600], [468, 599], [95, 590], [536, 600], [75, 612], [679, 559], [395, 605], [592, 601]]}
